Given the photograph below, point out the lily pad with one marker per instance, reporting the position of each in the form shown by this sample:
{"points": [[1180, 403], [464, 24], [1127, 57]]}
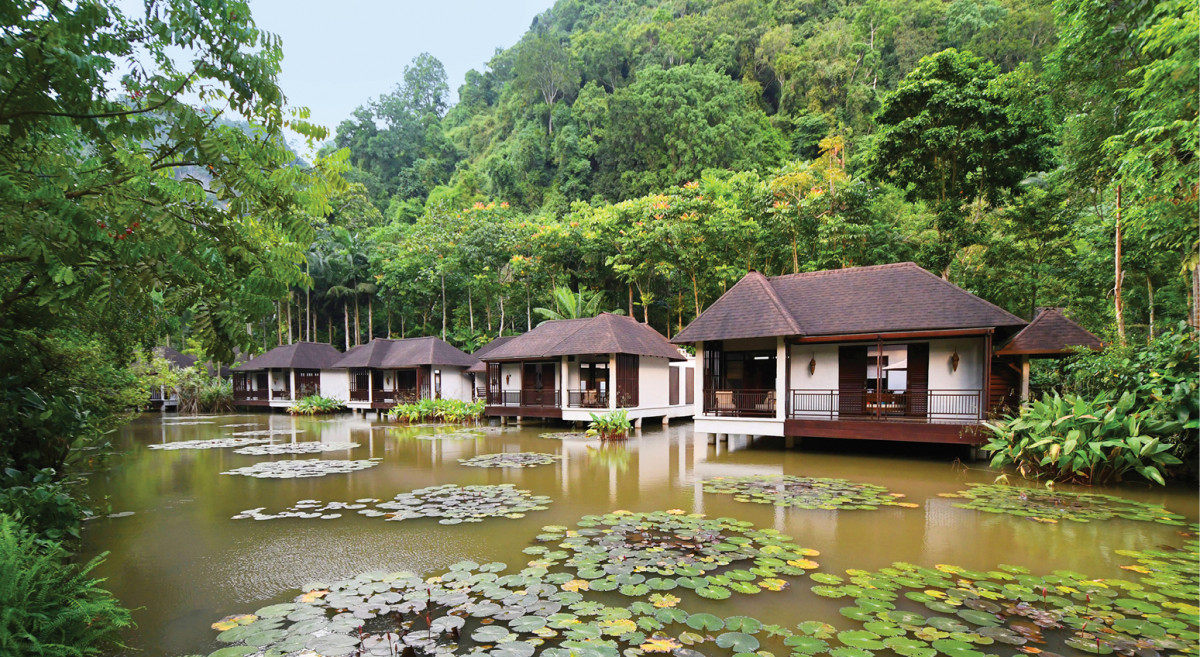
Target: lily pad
{"points": [[510, 460], [309, 447], [805, 492]]}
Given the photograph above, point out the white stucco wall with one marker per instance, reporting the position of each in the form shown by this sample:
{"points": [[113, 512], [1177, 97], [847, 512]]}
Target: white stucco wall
{"points": [[653, 384], [456, 383], [943, 377], [510, 376], [823, 379], [335, 384]]}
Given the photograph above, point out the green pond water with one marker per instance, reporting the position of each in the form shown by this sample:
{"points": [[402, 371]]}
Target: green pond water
{"points": [[182, 563]]}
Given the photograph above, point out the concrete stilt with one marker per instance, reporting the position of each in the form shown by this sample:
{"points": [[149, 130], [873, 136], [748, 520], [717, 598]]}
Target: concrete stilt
{"points": [[637, 424], [789, 442], [666, 421]]}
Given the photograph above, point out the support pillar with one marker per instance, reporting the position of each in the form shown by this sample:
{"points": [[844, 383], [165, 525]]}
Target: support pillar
{"points": [[789, 442], [1024, 379]]}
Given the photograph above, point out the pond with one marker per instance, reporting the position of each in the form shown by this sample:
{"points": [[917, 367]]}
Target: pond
{"points": [[183, 561]]}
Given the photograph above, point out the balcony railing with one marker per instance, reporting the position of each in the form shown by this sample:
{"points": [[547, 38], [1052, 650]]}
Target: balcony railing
{"points": [[587, 398], [906, 406], [740, 403], [281, 395], [401, 396], [250, 395], [536, 398]]}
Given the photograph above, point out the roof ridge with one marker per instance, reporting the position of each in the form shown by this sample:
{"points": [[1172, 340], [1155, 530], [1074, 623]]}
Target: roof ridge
{"points": [[775, 300], [846, 270]]}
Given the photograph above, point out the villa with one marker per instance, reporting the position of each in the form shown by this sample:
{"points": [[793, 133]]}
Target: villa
{"points": [[163, 398], [571, 368], [289, 373], [888, 352], [479, 369], [384, 373]]}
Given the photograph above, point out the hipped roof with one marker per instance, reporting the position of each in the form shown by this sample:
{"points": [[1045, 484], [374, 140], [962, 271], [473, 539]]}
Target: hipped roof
{"points": [[174, 357], [879, 299], [604, 334], [381, 353], [485, 350], [1050, 334], [298, 355]]}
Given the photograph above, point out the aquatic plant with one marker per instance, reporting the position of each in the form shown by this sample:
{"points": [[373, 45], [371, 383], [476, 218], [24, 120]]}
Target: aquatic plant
{"points": [[268, 432], [613, 425], [510, 460], [805, 492], [566, 435], [316, 405], [187, 423], [971, 613], [449, 411], [309, 447], [637, 553], [302, 468], [1049, 505], [451, 504], [211, 443], [450, 435]]}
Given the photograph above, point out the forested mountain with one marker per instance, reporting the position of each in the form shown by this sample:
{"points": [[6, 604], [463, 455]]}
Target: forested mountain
{"points": [[656, 150]]}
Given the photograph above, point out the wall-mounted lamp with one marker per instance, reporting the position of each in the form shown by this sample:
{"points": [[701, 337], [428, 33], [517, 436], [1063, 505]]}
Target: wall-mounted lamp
{"points": [[437, 371], [812, 365], [954, 360]]}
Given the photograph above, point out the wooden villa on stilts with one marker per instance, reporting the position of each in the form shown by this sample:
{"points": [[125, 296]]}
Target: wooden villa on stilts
{"points": [[889, 352], [384, 373], [288, 373]]}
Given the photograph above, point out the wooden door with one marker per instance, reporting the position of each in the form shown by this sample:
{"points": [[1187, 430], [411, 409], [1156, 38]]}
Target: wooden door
{"points": [[852, 380], [917, 404], [493, 384]]}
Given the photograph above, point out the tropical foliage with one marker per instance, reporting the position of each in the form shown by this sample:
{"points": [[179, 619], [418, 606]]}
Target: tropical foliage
{"points": [[51, 607], [316, 405], [613, 425], [450, 411]]}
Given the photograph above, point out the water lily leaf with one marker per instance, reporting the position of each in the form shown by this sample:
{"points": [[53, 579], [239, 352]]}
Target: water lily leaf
{"points": [[707, 622], [806, 645], [738, 641]]}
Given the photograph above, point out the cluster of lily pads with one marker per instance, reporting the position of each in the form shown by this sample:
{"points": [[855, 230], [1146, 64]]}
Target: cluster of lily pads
{"points": [[640, 553], [566, 435], [212, 443], [453, 504], [1050, 506], [510, 460], [806, 492], [450, 435], [302, 468], [187, 423], [311, 447], [268, 432], [971, 613]]}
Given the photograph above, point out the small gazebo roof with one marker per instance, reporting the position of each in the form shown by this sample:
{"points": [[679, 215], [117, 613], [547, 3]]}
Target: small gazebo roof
{"points": [[1050, 335]]}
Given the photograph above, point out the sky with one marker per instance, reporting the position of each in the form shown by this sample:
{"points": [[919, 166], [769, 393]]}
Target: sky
{"points": [[338, 55]]}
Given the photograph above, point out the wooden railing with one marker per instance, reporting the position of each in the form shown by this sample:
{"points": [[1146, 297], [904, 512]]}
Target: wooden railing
{"points": [[587, 398], [740, 403], [536, 398], [250, 395], [908, 405], [360, 395]]}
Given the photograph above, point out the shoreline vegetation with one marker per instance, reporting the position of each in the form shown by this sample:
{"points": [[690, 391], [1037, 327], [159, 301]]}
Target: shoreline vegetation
{"points": [[644, 157]]}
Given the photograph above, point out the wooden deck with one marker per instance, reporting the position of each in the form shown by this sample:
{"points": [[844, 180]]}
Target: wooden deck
{"points": [[966, 433]]}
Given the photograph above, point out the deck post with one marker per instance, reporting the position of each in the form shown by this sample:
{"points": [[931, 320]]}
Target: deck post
{"points": [[637, 424], [789, 442], [666, 421], [1024, 378]]}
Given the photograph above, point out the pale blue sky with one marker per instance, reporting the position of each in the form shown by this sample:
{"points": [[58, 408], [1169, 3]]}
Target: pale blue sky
{"points": [[339, 54]]}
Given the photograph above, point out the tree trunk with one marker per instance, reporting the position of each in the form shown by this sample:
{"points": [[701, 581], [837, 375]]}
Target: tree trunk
{"points": [[1150, 304], [357, 327], [308, 304], [279, 323], [528, 308], [630, 288], [329, 325], [471, 311], [487, 305], [389, 314], [1195, 316], [370, 318], [289, 320], [1118, 275], [695, 297], [501, 314], [443, 306], [346, 314]]}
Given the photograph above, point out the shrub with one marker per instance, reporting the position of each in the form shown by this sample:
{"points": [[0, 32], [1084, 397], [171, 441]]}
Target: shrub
{"points": [[1071, 438], [614, 425], [450, 411], [316, 405], [201, 393], [42, 502], [49, 607]]}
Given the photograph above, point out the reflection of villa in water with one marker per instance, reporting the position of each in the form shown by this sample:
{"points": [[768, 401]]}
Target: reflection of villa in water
{"points": [[889, 352]]}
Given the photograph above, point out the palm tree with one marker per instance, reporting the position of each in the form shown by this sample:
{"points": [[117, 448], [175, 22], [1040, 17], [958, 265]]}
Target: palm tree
{"points": [[572, 305]]}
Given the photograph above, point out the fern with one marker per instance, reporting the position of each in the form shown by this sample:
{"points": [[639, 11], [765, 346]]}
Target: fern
{"points": [[48, 606]]}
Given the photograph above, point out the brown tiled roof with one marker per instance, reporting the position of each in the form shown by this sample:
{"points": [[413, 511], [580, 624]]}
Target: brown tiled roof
{"points": [[300, 355], [878, 299], [174, 357], [486, 349], [603, 334], [409, 352], [1051, 333]]}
